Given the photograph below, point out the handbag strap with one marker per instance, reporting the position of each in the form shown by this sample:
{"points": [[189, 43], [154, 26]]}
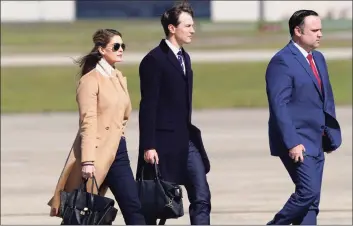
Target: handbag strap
{"points": [[156, 170], [157, 173], [83, 186], [94, 182]]}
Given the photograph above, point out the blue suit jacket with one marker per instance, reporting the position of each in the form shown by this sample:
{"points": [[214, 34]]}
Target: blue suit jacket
{"points": [[299, 112]]}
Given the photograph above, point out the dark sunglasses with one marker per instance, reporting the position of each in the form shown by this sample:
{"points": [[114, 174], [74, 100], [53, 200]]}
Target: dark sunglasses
{"points": [[117, 46]]}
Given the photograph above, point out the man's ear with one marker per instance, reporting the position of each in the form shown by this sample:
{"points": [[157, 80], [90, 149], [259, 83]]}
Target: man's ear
{"points": [[171, 28], [298, 31]]}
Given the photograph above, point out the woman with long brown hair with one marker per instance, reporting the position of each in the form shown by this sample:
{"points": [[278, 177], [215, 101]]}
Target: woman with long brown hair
{"points": [[100, 146]]}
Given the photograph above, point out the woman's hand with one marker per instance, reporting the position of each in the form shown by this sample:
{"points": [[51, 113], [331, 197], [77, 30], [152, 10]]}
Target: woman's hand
{"points": [[88, 170], [54, 212]]}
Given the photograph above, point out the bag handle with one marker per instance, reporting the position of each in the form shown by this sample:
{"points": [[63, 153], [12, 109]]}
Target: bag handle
{"points": [[83, 186], [157, 173], [94, 182], [156, 170]]}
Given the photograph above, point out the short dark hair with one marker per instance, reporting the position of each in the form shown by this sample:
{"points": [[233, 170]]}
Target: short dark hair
{"points": [[297, 19], [171, 16]]}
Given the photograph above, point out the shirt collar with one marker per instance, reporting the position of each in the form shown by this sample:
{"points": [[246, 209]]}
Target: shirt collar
{"points": [[303, 51], [172, 47], [104, 67]]}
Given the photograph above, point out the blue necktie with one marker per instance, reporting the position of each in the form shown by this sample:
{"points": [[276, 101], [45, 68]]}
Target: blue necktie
{"points": [[180, 59]]}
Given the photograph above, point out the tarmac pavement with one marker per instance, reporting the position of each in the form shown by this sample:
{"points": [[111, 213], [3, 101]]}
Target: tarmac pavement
{"points": [[248, 185]]}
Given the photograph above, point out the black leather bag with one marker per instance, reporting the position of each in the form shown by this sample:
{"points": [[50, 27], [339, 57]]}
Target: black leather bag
{"points": [[160, 199], [80, 207]]}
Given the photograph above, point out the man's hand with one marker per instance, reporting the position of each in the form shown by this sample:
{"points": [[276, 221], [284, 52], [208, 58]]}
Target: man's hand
{"points": [[150, 156], [296, 153]]}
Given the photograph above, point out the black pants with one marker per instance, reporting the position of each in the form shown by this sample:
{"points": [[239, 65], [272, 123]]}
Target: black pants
{"points": [[122, 184], [198, 190]]}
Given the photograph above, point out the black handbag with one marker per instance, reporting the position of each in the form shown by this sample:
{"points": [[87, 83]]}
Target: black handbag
{"points": [[80, 207], [160, 199]]}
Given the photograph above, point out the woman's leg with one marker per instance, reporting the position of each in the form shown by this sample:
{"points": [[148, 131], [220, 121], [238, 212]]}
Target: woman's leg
{"points": [[123, 186]]}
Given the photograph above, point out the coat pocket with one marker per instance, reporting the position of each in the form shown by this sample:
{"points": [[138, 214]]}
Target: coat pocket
{"points": [[165, 126]]}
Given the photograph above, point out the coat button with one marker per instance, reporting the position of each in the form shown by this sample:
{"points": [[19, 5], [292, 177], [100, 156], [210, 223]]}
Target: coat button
{"points": [[107, 127]]}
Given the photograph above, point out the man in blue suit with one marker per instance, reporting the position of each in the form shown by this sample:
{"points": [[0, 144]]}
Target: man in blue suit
{"points": [[302, 122], [166, 132]]}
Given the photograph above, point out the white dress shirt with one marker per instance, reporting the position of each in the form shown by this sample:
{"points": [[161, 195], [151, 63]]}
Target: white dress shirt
{"points": [[304, 52], [175, 51]]}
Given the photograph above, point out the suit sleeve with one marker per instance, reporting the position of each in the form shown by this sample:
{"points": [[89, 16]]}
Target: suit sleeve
{"points": [[87, 92], [279, 90], [333, 137], [149, 87]]}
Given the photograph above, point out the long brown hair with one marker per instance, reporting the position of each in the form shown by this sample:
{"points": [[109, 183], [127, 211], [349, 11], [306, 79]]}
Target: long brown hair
{"points": [[100, 38]]}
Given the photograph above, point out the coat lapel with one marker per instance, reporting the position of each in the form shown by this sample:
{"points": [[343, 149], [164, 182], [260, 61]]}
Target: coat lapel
{"points": [[118, 80], [171, 56], [122, 80], [188, 75], [301, 59], [321, 69]]}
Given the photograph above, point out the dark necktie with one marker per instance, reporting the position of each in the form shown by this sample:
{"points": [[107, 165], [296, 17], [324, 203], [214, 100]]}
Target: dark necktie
{"points": [[181, 61], [312, 65]]}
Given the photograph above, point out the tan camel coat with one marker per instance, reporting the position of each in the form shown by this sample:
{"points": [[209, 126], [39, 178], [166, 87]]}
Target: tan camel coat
{"points": [[104, 109]]}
